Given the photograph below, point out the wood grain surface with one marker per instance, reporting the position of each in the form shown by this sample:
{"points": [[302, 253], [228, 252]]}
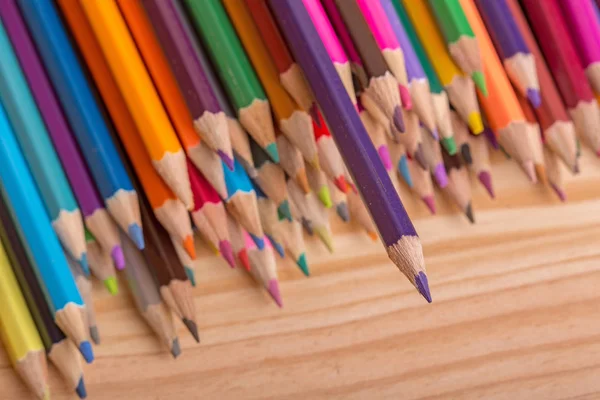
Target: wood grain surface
{"points": [[516, 314]]}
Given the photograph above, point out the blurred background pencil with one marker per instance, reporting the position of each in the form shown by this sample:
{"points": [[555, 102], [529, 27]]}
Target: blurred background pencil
{"points": [[101, 264]]}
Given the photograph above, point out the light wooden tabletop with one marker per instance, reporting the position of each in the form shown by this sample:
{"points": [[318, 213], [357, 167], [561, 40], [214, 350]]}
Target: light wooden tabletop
{"points": [[516, 314]]}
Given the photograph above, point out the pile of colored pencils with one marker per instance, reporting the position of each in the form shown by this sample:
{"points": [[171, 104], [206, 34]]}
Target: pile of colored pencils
{"points": [[126, 126]]}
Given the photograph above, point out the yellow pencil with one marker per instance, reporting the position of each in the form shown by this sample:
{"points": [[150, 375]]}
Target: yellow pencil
{"points": [[140, 95], [18, 333], [460, 88]]}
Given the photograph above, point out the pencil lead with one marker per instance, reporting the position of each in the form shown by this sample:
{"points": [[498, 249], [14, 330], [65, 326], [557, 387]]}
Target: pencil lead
{"points": [[435, 134], [404, 171], [118, 257], [486, 180], [325, 196], [227, 252], [559, 192], [46, 393], [342, 211], [307, 225], [475, 123], [398, 119], [302, 181], [430, 203], [284, 210], [94, 334], [534, 97], [111, 284], [405, 98], [440, 175], [449, 144], [278, 247], [373, 235], [479, 80], [422, 284], [228, 161], [303, 264], [260, 242], [315, 163], [135, 233], [243, 256], [341, 183], [85, 266], [271, 150], [530, 171], [273, 290], [420, 157], [325, 237], [491, 137], [193, 328], [575, 167], [189, 247], [191, 275], [540, 172], [469, 213], [465, 152], [175, 348], [384, 156], [80, 389], [85, 348]]}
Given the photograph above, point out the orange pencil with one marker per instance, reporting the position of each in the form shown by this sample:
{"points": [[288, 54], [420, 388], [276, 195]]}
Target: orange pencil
{"points": [[504, 114], [168, 209]]}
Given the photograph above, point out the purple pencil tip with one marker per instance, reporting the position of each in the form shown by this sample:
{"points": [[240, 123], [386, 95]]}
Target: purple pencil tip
{"points": [[422, 284], [226, 159], [274, 292], [430, 203], [559, 192], [491, 137], [486, 180], [533, 95], [398, 120], [118, 257], [435, 133], [440, 175], [227, 252], [420, 157], [384, 155]]}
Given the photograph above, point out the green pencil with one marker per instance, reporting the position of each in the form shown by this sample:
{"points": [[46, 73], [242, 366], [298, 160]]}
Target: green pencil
{"points": [[462, 43], [235, 71]]}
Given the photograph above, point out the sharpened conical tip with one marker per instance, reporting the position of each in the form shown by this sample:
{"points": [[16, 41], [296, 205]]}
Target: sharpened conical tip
{"points": [[243, 256], [85, 266], [384, 156], [273, 290], [193, 328], [260, 242], [534, 97], [529, 168], [540, 172], [475, 123], [405, 98], [118, 257], [419, 156], [303, 264], [465, 152], [227, 252], [340, 183], [80, 389], [278, 247], [271, 150], [430, 203], [227, 160], [325, 237], [422, 285], [479, 79], [94, 334], [175, 348], [398, 120], [191, 275], [486, 180], [284, 210], [136, 234], [469, 213], [189, 247], [342, 211], [325, 196], [112, 285], [302, 181], [440, 175], [404, 171], [373, 236], [85, 348], [559, 192], [449, 144], [435, 134]]}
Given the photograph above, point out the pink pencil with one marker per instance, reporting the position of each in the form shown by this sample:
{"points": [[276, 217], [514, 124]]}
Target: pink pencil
{"points": [[585, 31], [388, 44], [332, 45], [263, 266]]}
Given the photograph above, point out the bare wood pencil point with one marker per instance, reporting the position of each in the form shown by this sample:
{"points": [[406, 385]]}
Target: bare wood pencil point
{"points": [[293, 81], [258, 121], [33, 369], [69, 228], [586, 117], [244, 208], [72, 321], [299, 129], [175, 219], [218, 127], [173, 170], [345, 73], [65, 356]]}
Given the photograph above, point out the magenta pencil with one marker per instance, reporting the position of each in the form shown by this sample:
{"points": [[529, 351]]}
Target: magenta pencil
{"points": [[96, 218]]}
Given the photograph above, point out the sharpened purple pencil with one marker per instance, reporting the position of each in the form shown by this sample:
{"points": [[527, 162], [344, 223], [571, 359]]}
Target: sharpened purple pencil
{"points": [[96, 218], [393, 224]]}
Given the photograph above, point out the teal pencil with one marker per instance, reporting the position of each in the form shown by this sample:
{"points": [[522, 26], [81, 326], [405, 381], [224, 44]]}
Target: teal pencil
{"points": [[40, 154], [36, 233]]}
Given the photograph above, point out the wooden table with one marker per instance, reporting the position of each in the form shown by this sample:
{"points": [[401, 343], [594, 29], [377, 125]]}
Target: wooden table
{"points": [[516, 314]]}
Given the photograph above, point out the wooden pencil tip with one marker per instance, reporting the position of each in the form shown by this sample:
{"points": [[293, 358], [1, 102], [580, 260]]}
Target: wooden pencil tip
{"points": [[80, 389], [193, 328], [273, 290], [189, 247], [175, 348], [422, 285]]}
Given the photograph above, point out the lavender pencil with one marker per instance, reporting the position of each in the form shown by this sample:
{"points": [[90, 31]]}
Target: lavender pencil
{"points": [[95, 215], [518, 61], [393, 224]]}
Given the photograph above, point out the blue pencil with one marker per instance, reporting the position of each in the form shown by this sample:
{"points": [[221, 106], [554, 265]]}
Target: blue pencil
{"points": [[242, 203], [40, 154], [84, 115], [35, 231]]}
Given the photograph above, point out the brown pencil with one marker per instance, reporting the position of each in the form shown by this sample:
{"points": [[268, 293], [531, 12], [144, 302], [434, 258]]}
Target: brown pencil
{"points": [[554, 172], [360, 214]]}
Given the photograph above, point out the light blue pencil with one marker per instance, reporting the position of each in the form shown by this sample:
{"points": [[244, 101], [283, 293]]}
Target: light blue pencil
{"points": [[84, 115], [35, 231], [40, 155]]}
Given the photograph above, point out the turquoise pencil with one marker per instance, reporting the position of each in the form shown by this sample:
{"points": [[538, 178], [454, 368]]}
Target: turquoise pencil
{"points": [[35, 231], [84, 115], [40, 154]]}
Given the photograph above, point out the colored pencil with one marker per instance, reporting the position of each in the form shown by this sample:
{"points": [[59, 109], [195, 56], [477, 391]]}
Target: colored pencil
{"points": [[188, 264], [232, 65], [293, 240], [84, 286], [359, 213], [460, 89], [481, 163], [83, 114], [584, 28], [399, 159], [95, 216], [35, 231], [290, 74], [264, 268], [37, 149], [240, 142], [422, 185], [461, 135], [393, 224], [418, 84], [319, 185], [339, 199], [460, 38], [555, 175], [295, 123], [271, 179], [535, 139], [101, 265], [381, 96], [559, 51], [209, 214], [272, 235], [147, 298], [518, 61], [331, 42], [269, 219], [439, 98], [558, 129], [329, 156], [238, 242], [432, 152], [19, 335], [140, 95], [459, 188], [503, 112], [292, 162], [378, 137], [59, 350], [174, 284], [209, 119]]}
